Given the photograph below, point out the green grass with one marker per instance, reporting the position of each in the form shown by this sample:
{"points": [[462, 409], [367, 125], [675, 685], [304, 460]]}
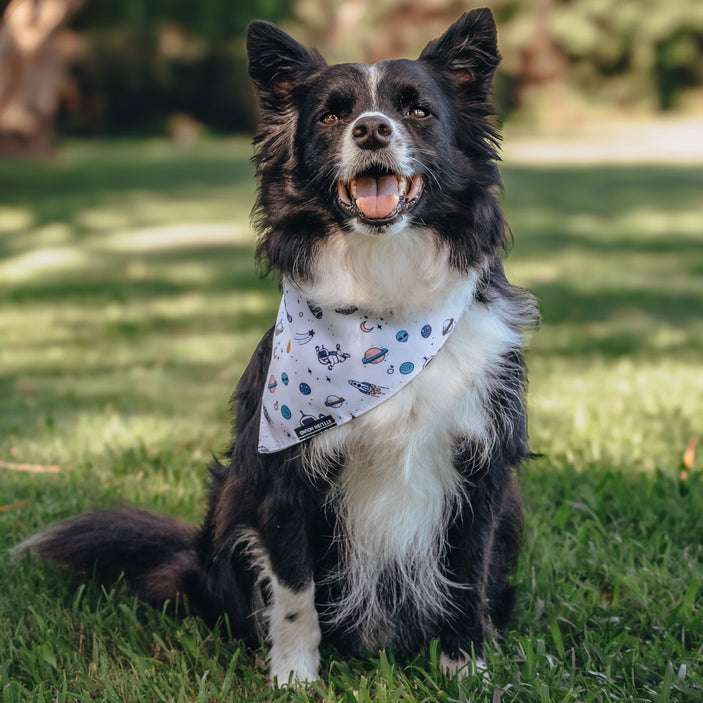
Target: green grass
{"points": [[129, 306]]}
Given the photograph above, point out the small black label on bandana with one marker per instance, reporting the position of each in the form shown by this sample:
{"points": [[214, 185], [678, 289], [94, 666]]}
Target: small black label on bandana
{"points": [[313, 428]]}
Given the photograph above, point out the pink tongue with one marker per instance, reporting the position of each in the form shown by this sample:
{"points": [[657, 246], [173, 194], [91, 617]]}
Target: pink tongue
{"points": [[377, 197]]}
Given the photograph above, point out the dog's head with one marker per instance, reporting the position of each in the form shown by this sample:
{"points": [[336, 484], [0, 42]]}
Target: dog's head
{"points": [[377, 149]]}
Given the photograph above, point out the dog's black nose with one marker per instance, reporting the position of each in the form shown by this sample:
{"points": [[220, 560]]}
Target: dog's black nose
{"points": [[372, 132]]}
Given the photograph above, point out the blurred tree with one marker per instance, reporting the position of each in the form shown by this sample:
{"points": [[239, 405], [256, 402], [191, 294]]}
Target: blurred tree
{"points": [[646, 49], [164, 64], [645, 53], [33, 55], [157, 65]]}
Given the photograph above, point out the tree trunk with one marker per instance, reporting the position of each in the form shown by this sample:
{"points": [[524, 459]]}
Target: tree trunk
{"points": [[33, 56]]}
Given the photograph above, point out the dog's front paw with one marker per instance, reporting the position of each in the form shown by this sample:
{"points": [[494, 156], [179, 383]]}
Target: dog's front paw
{"points": [[294, 633], [293, 667]]}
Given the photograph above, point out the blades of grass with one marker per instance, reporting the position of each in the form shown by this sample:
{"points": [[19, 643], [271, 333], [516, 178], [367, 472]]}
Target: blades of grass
{"points": [[558, 640]]}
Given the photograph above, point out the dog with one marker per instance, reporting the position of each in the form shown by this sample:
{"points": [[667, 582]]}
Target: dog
{"points": [[399, 523]]}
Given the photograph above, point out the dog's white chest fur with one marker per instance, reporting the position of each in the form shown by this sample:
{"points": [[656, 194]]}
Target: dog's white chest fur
{"points": [[398, 487]]}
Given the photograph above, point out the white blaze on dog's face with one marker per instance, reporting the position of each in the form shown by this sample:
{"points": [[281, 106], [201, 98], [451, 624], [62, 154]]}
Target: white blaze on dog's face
{"points": [[377, 149], [377, 178]]}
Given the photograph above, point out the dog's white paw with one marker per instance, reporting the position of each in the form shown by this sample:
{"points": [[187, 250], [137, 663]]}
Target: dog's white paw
{"points": [[293, 667], [294, 633], [462, 667]]}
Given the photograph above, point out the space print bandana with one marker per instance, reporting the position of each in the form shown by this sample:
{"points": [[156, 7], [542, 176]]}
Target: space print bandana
{"points": [[330, 365]]}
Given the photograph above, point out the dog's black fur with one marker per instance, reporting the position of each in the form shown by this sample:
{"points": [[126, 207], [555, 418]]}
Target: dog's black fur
{"points": [[270, 518]]}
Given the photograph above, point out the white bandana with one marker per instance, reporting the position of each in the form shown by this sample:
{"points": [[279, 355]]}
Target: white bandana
{"points": [[330, 365]]}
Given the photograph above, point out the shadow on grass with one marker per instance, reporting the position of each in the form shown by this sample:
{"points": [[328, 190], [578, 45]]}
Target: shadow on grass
{"points": [[227, 269], [614, 253], [603, 190], [587, 309]]}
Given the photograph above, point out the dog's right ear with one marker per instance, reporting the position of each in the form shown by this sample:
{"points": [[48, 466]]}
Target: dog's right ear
{"points": [[277, 62]]}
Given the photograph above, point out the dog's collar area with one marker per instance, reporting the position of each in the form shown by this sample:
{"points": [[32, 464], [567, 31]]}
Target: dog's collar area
{"points": [[330, 365], [378, 197]]}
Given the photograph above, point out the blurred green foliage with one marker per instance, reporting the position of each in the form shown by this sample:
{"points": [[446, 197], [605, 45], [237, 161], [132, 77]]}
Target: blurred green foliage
{"points": [[148, 61], [655, 45], [215, 20]]}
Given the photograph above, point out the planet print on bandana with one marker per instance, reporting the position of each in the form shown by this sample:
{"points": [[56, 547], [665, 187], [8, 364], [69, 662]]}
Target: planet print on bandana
{"points": [[374, 355], [356, 361]]}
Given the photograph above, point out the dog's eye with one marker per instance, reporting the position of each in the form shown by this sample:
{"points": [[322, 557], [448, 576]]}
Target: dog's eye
{"points": [[329, 118], [418, 112]]}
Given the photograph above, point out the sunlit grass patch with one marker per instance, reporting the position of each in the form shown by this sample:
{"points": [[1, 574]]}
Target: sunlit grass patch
{"points": [[129, 306]]}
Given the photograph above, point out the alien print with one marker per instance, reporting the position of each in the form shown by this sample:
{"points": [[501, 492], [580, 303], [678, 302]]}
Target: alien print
{"points": [[330, 365]]}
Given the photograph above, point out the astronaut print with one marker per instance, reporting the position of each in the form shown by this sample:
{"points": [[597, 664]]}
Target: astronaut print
{"points": [[330, 365]]}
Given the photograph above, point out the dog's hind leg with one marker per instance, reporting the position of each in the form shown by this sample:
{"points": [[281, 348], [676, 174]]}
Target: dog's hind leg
{"points": [[483, 544]]}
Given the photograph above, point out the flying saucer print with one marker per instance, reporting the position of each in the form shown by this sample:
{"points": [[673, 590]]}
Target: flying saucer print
{"points": [[306, 420], [374, 355], [333, 401], [272, 384]]}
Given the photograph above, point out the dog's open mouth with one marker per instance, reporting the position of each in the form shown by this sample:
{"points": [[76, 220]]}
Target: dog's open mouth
{"points": [[377, 197]]}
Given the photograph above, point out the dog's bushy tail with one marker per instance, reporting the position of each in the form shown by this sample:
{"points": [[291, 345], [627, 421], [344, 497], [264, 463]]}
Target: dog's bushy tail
{"points": [[155, 554]]}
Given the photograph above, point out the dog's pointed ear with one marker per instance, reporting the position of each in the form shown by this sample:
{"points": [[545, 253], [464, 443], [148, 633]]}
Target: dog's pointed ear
{"points": [[277, 61], [468, 50]]}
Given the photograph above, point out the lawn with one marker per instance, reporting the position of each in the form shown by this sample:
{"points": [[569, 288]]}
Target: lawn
{"points": [[129, 305]]}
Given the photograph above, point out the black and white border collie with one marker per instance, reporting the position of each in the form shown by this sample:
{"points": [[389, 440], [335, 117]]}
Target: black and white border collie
{"points": [[377, 189]]}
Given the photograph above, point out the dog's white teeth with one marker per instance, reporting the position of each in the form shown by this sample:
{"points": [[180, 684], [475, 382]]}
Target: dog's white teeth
{"points": [[416, 187], [352, 189], [343, 193], [402, 186]]}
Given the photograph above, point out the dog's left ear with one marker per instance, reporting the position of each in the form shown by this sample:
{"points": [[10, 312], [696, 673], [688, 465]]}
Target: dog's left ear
{"points": [[277, 62], [468, 50]]}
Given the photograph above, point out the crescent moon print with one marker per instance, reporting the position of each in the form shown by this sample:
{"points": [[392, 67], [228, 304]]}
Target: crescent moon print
{"points": [[364, 328]]}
